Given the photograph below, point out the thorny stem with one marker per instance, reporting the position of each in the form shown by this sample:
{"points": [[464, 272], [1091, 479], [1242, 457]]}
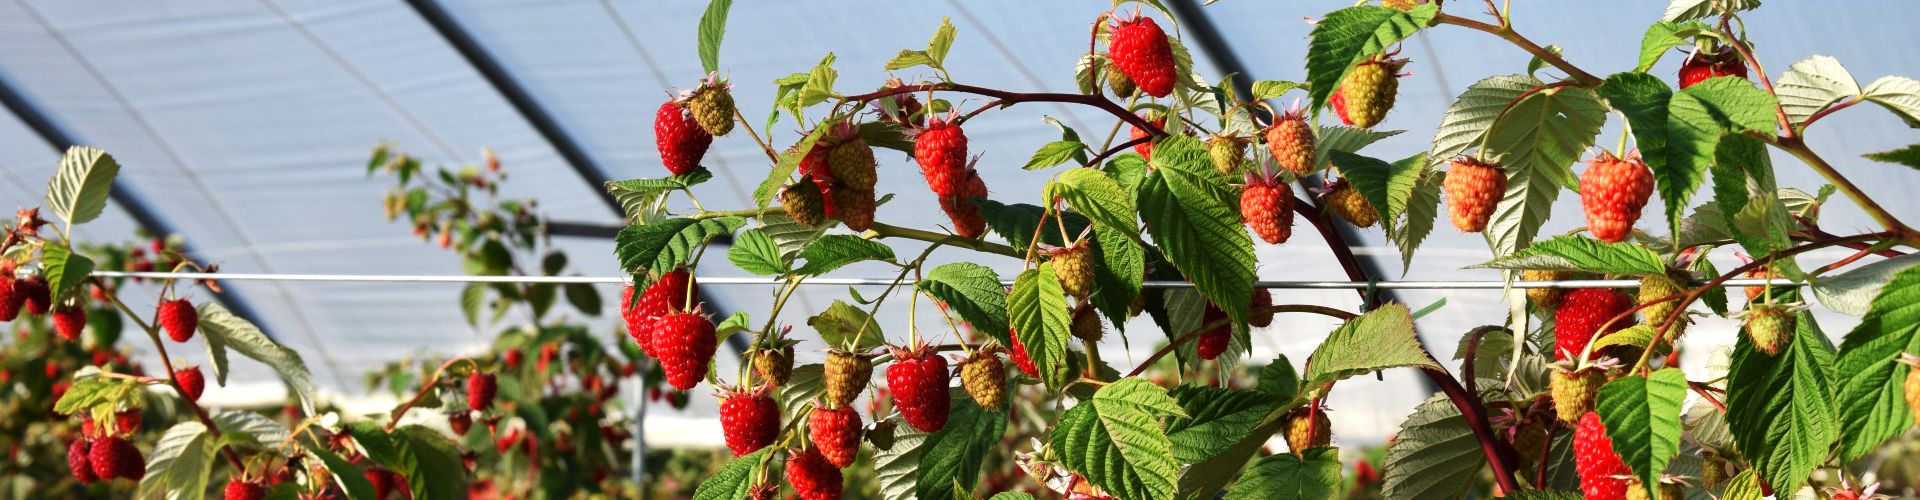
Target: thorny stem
{"points": [[775, 157], [1473, 347], [1506, 33], [1011, 98], [1900, 231], [432, 383], [1117, 150], [881, 230], [1499, 455], [1706, 392], [1342, 253], [167, 363]]}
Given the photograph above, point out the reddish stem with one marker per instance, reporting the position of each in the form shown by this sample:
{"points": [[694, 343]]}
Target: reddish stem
{"points": [[1195, 334], [422, 393], [1095, 162], [1011, 98]]}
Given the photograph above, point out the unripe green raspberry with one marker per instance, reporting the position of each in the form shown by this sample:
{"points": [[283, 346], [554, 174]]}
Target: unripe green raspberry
{"points": [[712, 107], [1227, 152], [1369, 91], [1770, 327], [1349, 204], [1653, 288], [1574, 393], [803, 203], [1073, 266], [852, 163], [985, 379]]}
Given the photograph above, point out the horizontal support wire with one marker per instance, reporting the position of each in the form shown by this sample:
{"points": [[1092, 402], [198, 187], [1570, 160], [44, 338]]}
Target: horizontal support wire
{"points": [[742, 280]]}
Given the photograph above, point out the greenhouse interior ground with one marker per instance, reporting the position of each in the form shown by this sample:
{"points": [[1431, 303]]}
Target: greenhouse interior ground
{"points": [[242, 130]]}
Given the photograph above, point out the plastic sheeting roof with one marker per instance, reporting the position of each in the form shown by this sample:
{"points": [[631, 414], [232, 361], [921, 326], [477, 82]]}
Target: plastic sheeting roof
{"points": [[245, 125]]}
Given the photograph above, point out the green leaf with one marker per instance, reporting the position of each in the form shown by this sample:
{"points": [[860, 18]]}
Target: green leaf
{"points": [[1347, 36], [972, 291], [1898, 94], [1683, 10], [735, 479], [1380, 339], [1097, 195], [1579, 253], [180, 463], [1853, 292], [1270, 89], [922, 465], [806, 383], [1278, 380], [1536, 141], [1698, 117], [1054, 153], [1909, 156], [1467, 121], [1116, 440], [908, 58], [1744, 486], [1314, 475], [86, 393], [789, 236], [1385, 186], [841, 322], [1342, 138], [659, 248], [1423, 206], [789, 161], [1642, 416], [1662, 36], [1813, 84], [819, 85], [1037, 311], [471, 298], [436, 470], [1872, 403], [640, 198], [1781, 408], [1129, 169], [1016, 222], [223, 330], [78, 190], [1011, 495], [1748, 204], [1434, 455], [834, 251], [755, 252], [583, 297], [1122, 274], [65, 271], [941, 42], [1217, 418], [713, 27], [352, 481], [1644, 100], [1193, 216]]}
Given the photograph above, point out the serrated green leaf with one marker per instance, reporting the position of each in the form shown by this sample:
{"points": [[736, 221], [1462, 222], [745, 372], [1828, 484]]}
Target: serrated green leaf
{"points": [[789, 236], [471, 297], [65, 271], [654, 249], [713, 27], [1744, 486], [734, 481], [972, 291], [180, 463], [1781, 407], [1054, 153], [1813, 84], [1343, 138], [1278, 380], [1683, 10], [1122, 274], [941, 42], [1642, 415], [1853, 292], [352, 481], [1909, 156], [1423, 206], [1581, 254], [1385, 186], [1644, 99], [841, 323], [1872, 404], [1312, 476], [1638, 336], [1016, 222], [78, 190], [805, 383], [1037, 311], [1193, 216], [908, 58], [1117, 440], [641, 199], [230, 331], [1697, 119], [1346, 36], [86, 393], [819, 86], [755, 252], [834, 251], [1096, 195], [1217, 418], [1129, 169], [1466, 122], [789, 161], [1662, 36], [1898, 94], [436, 470], [1380, 339], [1271, 89], [1434, 455], [923, 465], [1536, 141]]}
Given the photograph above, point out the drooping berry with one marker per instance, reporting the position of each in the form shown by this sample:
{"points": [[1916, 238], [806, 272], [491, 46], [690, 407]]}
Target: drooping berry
{"points": [[684, 342], [1307, 428], [1612, 192], [803, 203], [835, 432], [191, 381], [1291, 141], [1262, 298], [1018, 354], [918, 378], [966, 218], [1073, 266], [1266, 205], [681, 140], [481, 387], [749, 420], [1135, 133], [1473, 190], [1345, 201], [69, 321], [11, 298], [941, 150], [775, 366], [114, 458], [1574, 392], [852, 163], [1214, 342], [854, 207], [985, 379], [1702, 65], [1602, 472], [78, 461], [179, 319], [242, 490], [34, 294], [1368, 91], [812, 476], [712, 106], [1654, 287], [1544, 298], [1140, 49], [1227, 152], [1117, 80], [1085, 324], [1770, 327], [675, 291], [460, 422], [1581, 313], [846, 374]]}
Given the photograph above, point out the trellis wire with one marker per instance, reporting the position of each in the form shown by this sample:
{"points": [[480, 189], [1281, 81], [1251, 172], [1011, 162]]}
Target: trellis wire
{"points": [[739, 280]]}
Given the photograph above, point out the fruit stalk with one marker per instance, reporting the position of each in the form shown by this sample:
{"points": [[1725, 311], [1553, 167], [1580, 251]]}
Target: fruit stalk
{"points": [[1011, 98], [424, 388], [1899, 230], [1506, 33], [153, 334]]}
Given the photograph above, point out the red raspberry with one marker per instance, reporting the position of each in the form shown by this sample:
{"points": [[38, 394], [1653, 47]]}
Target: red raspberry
{"points": [[1291, 141], [242, 490], [113, 457], [35, 293], [836, 433], [513, 358], [481, 388], [673, 292], [384, 481], [179, 319], [748, 419], [11, 298], [1262, 298], [192, 382], [1579, 317], [1140, 50], [813, 477], [1612, 192], [684, 342], [1018, 353], [460, 421], [69, 321], [1146, 148], [127, 422], [78, 463], [941, 151], [681, 140], [919, 378], [1473, 190], [1267, 207], [1602, 473], [1701, 65], [1213, 343], [960, 208]]}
